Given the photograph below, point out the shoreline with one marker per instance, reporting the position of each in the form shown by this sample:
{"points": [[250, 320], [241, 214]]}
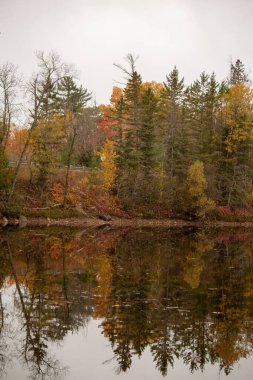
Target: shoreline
{"points": [[118, 222]]}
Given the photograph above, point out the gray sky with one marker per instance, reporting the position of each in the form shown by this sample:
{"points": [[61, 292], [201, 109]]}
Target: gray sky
{"points": [[195, 35]]}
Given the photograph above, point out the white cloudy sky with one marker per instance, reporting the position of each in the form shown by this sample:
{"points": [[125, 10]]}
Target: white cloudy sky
{"points": [[195, 35]]}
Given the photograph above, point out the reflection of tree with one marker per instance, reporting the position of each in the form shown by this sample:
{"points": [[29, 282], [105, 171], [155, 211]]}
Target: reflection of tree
{"points": [[153, 302], [127, 324], [49, 297], [3, 273], [3, 324], [193, 264], [54, 276], [165, 348], [186, 295], [35, 347]]}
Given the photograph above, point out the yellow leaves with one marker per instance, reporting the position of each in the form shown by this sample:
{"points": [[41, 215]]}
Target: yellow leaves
{"points": [[104, 276], [194, 263], [69, 116], [57, 193], [155, 86], [117, 93], [205, 205], [108, 166], [196, 182], [50, 133], [229, 344], [16, 144], [193, 270], [196, 185], [238, 116]]}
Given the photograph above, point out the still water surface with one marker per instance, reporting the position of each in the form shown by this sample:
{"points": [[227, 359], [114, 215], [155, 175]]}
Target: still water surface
{"points": [[126, 304]]}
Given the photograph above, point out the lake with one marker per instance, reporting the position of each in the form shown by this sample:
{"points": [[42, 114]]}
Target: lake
{"points": [[126, 304]]}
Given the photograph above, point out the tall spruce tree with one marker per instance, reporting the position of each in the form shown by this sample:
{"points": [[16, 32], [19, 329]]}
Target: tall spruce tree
{"points": [[128, 172], [202, 104], [46, 138], [118, 116], [237, 73], [196, 117], [148, 108], [172, 127], [145, 191]]}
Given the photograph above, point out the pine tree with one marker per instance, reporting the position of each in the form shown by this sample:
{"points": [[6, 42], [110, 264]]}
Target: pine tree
{"points": [[148, 105], [71, 97], [202, 104], [46, 139], [171, 123], [48, 95], [132, 94], [128, 167], [148, 108], [118, 116], [237, 73]]}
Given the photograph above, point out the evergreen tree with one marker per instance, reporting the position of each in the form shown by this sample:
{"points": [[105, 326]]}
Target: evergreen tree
{"points": [[132, 94], [128, 167], [199, 117], [171, 121], [71, 97], [148, 107], [48, 96], [203, 100], [146, 190], [46, 137], [118, 113], [237, 73]]}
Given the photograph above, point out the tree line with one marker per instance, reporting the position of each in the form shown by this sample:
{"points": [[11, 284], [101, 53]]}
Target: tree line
{"points": [[184, 147], [157, 147]]}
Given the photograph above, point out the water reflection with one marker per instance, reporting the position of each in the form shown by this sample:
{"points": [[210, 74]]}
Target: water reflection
{"points": [[183, 294]]}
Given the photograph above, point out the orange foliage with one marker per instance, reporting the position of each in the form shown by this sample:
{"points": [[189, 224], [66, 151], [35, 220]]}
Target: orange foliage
{"points": [[94, 197], [155, 86], [117, 93], [16, 144], [55, 249], [108, 166]]}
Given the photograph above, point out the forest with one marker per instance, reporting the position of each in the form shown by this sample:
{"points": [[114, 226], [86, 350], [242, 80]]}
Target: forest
{"points": [[158, 150]]}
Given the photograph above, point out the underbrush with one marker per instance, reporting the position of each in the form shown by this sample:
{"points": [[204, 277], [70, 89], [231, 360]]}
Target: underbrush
{"points": [[53, 213], [229, 214], [87, 197]]}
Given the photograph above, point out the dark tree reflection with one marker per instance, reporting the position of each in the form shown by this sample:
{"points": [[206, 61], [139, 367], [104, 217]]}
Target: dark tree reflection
{"points": [[180, 294]]}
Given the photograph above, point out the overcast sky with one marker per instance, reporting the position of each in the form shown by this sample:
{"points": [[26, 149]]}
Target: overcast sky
{"points": [[195, 35]]}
